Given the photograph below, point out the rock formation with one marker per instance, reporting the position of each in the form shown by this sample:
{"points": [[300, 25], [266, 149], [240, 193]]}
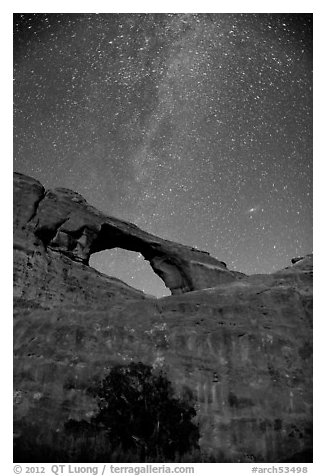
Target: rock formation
{"points": [[242, 344], [64, 222]]}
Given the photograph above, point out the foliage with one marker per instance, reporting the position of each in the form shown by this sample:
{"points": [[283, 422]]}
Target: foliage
{"points": [[138, 412], [139, 419]]}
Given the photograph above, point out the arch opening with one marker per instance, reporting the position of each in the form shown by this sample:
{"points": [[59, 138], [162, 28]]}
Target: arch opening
{"points": [[131, 268]]}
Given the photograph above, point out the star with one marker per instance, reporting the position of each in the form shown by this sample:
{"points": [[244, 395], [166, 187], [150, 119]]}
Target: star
{"points": [[184, 124], [253, 210]]}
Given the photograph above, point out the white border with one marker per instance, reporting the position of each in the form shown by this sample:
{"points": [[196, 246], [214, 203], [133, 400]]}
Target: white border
{"points": [[316, 7]]}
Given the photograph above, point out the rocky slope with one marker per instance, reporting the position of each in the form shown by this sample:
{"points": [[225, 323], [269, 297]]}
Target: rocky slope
{"points": [[241, 344]]}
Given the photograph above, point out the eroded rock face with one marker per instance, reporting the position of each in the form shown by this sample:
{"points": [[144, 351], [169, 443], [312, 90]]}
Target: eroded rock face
{"points": [[243, 347], [64, 222]]}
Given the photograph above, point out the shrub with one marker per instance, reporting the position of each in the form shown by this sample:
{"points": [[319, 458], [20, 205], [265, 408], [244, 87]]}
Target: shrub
{"points": [[138, 412]]}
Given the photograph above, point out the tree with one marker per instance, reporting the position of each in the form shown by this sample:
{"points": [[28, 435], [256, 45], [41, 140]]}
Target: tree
{"points": [[138, 411]]}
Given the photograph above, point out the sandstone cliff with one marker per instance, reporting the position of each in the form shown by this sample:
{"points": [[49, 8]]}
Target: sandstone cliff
{"points": [[242, 344]]}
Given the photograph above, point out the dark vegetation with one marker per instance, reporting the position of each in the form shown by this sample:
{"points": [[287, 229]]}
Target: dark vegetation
{"points": [[139, 419]]}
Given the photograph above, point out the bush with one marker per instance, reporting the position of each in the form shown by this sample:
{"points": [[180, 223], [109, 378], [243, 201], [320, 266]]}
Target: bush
{"points": [[139, 413]]}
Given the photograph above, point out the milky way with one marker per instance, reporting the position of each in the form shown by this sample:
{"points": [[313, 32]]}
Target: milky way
{"points": [[195, 127]]}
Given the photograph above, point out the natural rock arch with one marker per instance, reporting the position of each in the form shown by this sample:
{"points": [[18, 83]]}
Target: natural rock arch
{"points": [[64, 222], [131, 268], [168, 267]]}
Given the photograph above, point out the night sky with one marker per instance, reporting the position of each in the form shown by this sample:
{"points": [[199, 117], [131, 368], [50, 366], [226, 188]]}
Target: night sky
{"points": [[195, 127]]}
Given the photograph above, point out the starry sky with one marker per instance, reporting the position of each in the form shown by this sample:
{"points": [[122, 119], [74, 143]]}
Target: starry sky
{"points": [[195, 127]]}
